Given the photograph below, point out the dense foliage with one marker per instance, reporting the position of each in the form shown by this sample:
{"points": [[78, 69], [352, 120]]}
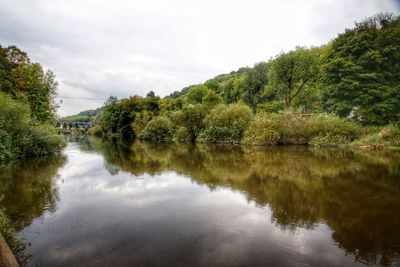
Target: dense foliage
{"points": [[312, 95], [159, 129], [361, 71], [83, 116], [27, 107], [226, 123]]}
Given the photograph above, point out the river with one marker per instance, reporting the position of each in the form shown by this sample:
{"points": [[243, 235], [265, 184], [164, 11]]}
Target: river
{"points": [[140, 204]]}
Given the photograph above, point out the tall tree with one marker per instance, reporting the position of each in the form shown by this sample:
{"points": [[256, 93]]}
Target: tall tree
{"points": [[292, 72], [255, 83], [362, 71]]}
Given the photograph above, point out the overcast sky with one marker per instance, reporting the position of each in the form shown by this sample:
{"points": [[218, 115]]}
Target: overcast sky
{"points": [[99, 48]]}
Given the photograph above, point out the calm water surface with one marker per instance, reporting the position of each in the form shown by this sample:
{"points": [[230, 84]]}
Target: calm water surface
{"points": [[113, 204]]}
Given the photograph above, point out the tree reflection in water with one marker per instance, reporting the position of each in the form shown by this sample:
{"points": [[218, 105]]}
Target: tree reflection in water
{"points": [[355, 193], [28, 189]]}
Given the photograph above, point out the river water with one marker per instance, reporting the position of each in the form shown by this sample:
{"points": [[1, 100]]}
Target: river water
{"points": [[140, 204]]}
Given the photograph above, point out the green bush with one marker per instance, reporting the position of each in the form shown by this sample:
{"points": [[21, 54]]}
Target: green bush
{"points": [[20, 136], [96, 130], [264, 129], [317, 129], [44, 139], [226, 123], [330, 125], [181, 134], [158, 129], [295, 129], [6, 145]]}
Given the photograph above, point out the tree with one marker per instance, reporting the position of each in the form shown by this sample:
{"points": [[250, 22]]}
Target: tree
{"points": [[361, 71], [291, 73], [193, 119], [16, 56], [32, 84], [211, 99], [151, 94], [196, 94], [254, 84]]}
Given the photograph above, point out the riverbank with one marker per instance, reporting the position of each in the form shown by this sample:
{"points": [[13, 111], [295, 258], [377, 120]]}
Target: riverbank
{"points": [[7, 258], [9, 244], [235, 124]]}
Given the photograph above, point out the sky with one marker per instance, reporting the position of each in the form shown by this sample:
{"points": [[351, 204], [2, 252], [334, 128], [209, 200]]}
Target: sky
{"points": [[99, 48]]}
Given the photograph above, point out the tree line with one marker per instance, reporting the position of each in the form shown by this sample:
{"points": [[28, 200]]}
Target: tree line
{"points": [[350, 82], [27, 107]]}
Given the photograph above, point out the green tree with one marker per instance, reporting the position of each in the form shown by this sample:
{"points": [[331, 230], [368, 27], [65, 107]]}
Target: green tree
{"points": [[254, 84], [196, 94], [193, 119], [293, 72], [211, 99], [361, 71], [151, 94]]}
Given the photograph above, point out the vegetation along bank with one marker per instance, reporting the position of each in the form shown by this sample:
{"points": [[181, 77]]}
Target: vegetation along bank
{"points": [[346, 92], [27, 107]]}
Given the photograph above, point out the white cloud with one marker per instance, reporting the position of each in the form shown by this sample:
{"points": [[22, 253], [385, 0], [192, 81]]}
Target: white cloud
{"points": [[102, 48]]}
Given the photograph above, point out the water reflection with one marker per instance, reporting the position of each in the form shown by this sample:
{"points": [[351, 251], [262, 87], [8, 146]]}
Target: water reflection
{"points": [[355, 193], [201, 205], [27, 188]]}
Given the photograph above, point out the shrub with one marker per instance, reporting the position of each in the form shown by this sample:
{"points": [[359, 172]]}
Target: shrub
{"points": [[20, 136], [6, 145], [295, 129], [181, 134], [159, 129], [226, 123], [96, 130], [321, 125], [264, 129], [44, 140]]}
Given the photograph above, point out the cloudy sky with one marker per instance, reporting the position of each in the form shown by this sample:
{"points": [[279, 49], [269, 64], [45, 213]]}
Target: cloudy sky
{"points": [[99, 48]]}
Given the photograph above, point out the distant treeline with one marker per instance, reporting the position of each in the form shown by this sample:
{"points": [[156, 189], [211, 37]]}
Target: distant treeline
{"points": [[27, 107], [351, 81], [84, 116]]}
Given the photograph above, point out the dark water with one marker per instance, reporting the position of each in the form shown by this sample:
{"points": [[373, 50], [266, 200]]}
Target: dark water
{"points": [[112, 204]]}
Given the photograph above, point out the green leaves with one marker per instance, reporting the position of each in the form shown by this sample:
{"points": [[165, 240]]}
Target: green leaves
{"points": [[226, 123], [294, 73], [361, 71]]}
